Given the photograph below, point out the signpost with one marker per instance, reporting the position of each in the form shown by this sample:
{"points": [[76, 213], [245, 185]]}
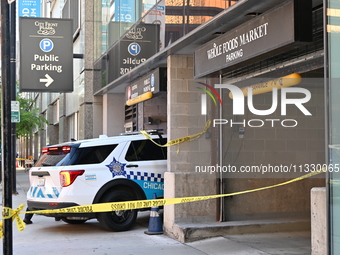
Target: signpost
{"points": [[7, 166], [46, 55]]}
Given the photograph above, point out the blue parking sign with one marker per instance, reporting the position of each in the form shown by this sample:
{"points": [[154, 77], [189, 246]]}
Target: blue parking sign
{"points": [[46, 45], [134, 49]]}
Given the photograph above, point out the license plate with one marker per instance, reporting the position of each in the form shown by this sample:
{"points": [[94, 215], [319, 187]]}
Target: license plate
{"points": [[41, 182]]}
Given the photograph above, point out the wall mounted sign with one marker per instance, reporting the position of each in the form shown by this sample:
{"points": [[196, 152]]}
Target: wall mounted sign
{"points": [[134, 48], [149, 84], [256, 39]]}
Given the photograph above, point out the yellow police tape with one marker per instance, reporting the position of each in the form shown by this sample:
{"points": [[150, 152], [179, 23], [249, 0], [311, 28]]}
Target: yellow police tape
{"points": [[8, 213], [21, 159], [179, 140]]}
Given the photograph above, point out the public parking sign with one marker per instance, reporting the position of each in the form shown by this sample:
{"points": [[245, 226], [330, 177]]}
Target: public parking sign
{"points": [[46, 55]]}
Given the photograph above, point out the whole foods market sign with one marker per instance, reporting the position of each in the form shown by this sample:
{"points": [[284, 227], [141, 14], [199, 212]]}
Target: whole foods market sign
{"points": [[268, 34]]}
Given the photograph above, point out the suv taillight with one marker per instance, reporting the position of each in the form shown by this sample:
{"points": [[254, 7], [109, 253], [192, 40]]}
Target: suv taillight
{"points": [[67, 177], [56, 150]]}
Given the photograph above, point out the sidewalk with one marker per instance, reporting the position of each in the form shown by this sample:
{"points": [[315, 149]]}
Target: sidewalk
{"points": [[46, 236]]}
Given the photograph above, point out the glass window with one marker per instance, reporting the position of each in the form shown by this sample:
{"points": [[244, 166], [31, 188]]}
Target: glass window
{"points": [[144, 150], [77, 156], [333, 65], [93, 155], [129, 32], [71, 10], [49, 160]]}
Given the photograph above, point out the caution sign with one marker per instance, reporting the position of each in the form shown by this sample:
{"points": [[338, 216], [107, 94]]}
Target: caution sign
{"points": [[265, 87]]}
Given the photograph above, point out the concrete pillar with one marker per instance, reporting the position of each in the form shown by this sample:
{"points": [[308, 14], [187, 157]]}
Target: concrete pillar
{"points": [[90, 106], [63, 127], [85, 121], [319, 221], [42, 140], [181, 180], [97, 116], [113, 114], [52, 136]]}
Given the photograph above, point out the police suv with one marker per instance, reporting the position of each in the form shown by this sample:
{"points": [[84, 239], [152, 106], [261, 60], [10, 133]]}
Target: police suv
{"points": [[105, 169]]}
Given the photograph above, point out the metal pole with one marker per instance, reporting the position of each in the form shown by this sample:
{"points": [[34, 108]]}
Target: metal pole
{"points": [[6, 128], [12, 22]]}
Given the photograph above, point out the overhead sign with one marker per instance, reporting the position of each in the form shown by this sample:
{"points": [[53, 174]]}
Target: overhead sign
{"points": [[256, 39], [149, 84], [125, 11], [29, 8], [268, 86], [135, 47], [46, 55], [139, 98]]}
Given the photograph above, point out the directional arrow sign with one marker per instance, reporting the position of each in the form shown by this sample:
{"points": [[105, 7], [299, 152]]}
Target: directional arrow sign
{"points": [[48, 80], [46, 55]]}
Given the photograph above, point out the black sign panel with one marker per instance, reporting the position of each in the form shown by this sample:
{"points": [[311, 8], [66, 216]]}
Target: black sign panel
{"points": [[264, 35], [154, 81], [46, 55], [136, 46]]}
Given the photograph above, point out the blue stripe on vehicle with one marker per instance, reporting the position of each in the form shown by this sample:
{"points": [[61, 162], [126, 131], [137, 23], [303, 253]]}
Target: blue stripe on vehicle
{"points": [[34, 190], [55, 191], [40, 193], [150, 188]]}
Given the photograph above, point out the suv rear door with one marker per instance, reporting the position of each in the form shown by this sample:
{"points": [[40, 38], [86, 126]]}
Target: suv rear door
{"points": [[60, 166], [145, 164]]}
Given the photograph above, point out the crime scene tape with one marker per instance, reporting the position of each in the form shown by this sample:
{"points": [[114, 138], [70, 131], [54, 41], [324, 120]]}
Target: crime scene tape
{"points": [[29, 158], [179, 140], [8, 213]]}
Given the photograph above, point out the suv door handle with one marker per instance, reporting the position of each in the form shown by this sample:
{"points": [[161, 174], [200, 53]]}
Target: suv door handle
{"points": [[129, 166]]}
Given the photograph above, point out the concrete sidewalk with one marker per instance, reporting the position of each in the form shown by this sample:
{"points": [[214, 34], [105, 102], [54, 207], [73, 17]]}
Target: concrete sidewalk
{"points": [[46, 236]]}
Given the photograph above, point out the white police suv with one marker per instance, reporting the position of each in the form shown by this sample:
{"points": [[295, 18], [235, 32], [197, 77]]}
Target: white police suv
{"points": [[105, 169]]}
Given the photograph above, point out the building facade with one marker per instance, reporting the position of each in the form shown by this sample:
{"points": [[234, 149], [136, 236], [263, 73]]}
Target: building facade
{"points": [[156, 65]]}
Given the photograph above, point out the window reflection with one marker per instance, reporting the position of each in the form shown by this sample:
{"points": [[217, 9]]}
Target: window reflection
{"points": [[174, 18]]}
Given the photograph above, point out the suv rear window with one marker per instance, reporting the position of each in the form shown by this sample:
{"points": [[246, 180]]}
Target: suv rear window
{"points": [[144, 150], [77, 156], [49, 159], [91, 155]]}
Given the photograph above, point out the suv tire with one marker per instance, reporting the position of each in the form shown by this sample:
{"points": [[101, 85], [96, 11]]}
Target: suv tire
{"points": [[117, 220]]}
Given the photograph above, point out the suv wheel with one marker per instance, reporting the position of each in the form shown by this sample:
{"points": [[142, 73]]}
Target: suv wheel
{"points": [[117, 220]]}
